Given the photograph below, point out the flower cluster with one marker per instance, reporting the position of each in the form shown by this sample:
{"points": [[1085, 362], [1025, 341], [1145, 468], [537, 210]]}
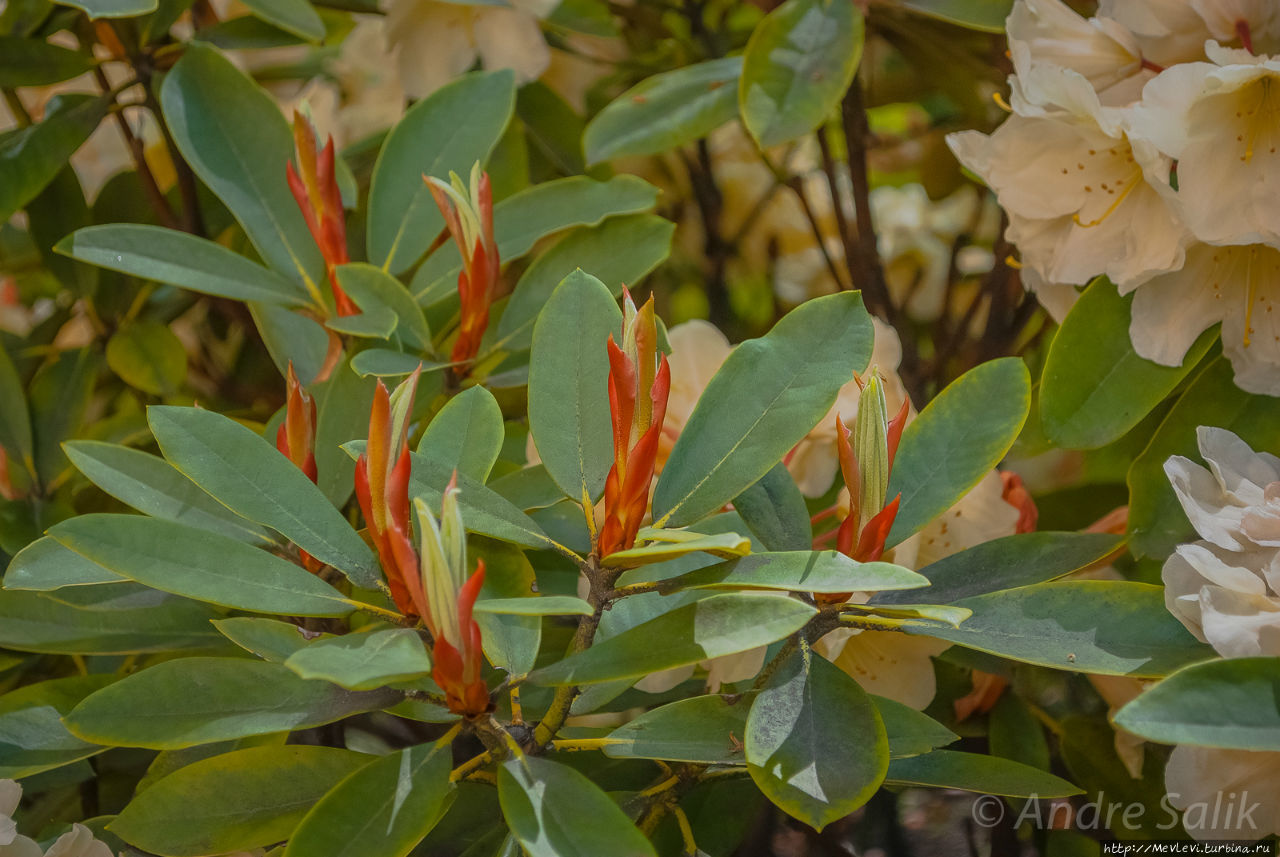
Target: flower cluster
{"points": [[1142, 145]]}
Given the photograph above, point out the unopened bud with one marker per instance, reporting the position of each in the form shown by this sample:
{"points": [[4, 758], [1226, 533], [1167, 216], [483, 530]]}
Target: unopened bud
{"points": [[871, 448]]}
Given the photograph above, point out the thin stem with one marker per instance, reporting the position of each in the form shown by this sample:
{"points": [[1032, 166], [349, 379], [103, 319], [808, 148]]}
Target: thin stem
{"points": [[558, 711], [471, 766], [837, 199], [150, 187], [576, 744]]}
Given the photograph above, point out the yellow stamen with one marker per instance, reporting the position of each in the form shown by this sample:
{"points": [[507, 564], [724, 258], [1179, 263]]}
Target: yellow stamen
{"points": [[1013, 263], [1129, 186], [999, 100]]}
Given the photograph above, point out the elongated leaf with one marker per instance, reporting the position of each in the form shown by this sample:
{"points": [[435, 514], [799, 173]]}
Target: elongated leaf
{"points": [[705, 730], [59, 396], [179, 259], [292, 337], [292, 16], [148, 356], [32, 737], [800, 60], [910, 732], [15, 416], [715, 626], [815, 744], [370, 286], [31, 62], [774, 510], [1090, 626], [956, 440], [511, 639], [250, 477], [1095, 387], [569, 415], [987, 16], [766, 396], [620, 250], [191, 701], [112, 8], [974, 772], [825, 572], [33, 622], [665, 111], [235, 138], [30, 157], [199, 564], [364, 661], [542, 605], [723, 545], [269, 639], [44, 565], [385, 363], [466, 434], [342, 413], [483, 511], [1233, 704], [233, 802], [1007, 563], [557, 812], [448, 131], [382, 810]]}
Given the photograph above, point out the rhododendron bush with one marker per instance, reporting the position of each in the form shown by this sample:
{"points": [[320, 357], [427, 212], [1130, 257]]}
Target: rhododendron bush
{"points": [[638, 428]]}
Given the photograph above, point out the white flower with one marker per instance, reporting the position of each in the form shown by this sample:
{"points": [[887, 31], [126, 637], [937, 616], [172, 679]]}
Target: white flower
{"points": [[1102, 50], [1198, 779], [1226, 588], [439, 40], [1175, 31], [77, 842]]}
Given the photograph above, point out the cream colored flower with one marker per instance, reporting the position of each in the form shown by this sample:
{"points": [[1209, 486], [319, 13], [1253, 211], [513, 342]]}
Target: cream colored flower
{"points": [[1225, 588], [1175, 31], [77, 842], [437, 40], [1204, 781], [1101, 49]]}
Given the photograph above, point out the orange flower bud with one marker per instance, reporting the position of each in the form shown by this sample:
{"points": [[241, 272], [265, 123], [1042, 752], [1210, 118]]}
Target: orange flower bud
{"points": [[468, 216], [296, 440], [315, 188]]}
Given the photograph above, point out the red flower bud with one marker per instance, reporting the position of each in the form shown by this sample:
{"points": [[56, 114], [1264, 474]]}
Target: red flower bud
{"points": [[315, 188]]}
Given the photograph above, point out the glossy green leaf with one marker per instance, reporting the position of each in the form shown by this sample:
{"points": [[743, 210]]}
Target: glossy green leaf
{"points": [[385, 363], [723, 545], [382, 810], [447, 131], [1095, 387], [815, 744], [371, 286], [974, 772], [112, 8], [910, 732], [1090, 626], [15, 416], [32, 62], [34, 622], [1156, 520], [292, 16], [765, 397], [30, 157], [32, 737], [775, 512], [620, 250], [1234, 704], [666, 111], [45, 565], [190, 701], [510, 639], [148, 356], [179, 259], [715, 626], [957, 439], [233, 802], [249, 476], [233, 135], [466, 434], [557, 812], [569, 415], [541, 605], [987, 16], [1007, 563], [364, 661], [826, 572], [269, 639], [199, 564], [342, 413], [483, 511], [704, 730], [799, 61], [59, 397]]}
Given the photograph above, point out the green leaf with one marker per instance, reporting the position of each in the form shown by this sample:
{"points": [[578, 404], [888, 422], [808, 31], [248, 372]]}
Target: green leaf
{"points": [[364, 661], [292, 337], [715, 626], [382, 810], [31, 62], [342, 413], [1007, 563], [911, 732], [702, 730], [540, 605], [44, 565], [33, 622], [30, 157], [511, 639], [32, 737], [233, 802], [153, 486], [523, 219], [249, 476], [957, 439], [292, 16], [233, 135], [557, 812], [1095, 387], [447, 131], [147, 355], [179, 259], [1156, 520], [987, 16], [766, 396], [974, 772], [659, 549], [385, 363], [269, 639], [826, 572], [373, 287], [1234, 704], [190, 701], [112, 8], [775, 512], [466, 434], [59, 397], [1090, 626], [815, 744], [665, 111], [199, 564], [15, 418], [799, 61], [619, 250], [569, 414]]}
